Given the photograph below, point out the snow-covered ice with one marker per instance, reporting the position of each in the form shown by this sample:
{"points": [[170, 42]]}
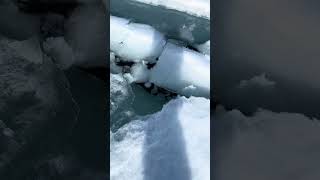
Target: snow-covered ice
{"points": [[177, 69], [140, 72], [120, 92], [187, 21], [159, 53], [60, 50], [135, 42], [183, 71], [173, 144], [86, 33], [204, 48], [113, 66], [194, 7]]}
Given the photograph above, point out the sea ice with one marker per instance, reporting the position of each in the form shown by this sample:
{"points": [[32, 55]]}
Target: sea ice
{"points": [[147, 143], [140, 72], [173, 144], [86, 33], [186, 21], [29, 49], [204, 48], [114, 68], [135, 42], [60, 51], [176, 68], [183, 71], [194, 7], [21, 26], [121, 98]]}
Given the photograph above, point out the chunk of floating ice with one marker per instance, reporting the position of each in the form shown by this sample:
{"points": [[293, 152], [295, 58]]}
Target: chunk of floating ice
{"points": [[195, 7], [173, 144], [120, 93], [29, 49], [204, 48], [114, 69], [60, 50], [85, 32], [178, 19], [140, 72], [182, 70], [135, 42], [147, 84]]}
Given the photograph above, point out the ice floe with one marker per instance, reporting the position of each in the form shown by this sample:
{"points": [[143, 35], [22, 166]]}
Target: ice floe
{"points": [[172, 144], [178, 69]]}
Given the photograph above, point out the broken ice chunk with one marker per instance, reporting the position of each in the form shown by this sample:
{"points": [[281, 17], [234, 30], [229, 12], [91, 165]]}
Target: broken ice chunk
{"points": [[114, 69], [28, 49], [120, 93], [140, 72], [60, 51], [86, 33], [173, 144], [183, 71], [204, 48], [118, 31], [194, 7], [135, 42], [187, 21], [16, 24], [121, 98]]}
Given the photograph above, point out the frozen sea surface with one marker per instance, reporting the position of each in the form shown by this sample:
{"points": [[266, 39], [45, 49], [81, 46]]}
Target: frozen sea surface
{"points": [[172, 144], [186, 21]]}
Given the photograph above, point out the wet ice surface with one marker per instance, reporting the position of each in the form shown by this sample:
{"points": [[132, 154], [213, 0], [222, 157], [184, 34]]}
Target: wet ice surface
{"points": [[156, 132]]}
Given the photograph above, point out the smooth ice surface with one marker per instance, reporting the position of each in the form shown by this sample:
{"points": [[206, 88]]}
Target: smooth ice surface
{"points": [[173, 144], [182, 70], [135, 42]]}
